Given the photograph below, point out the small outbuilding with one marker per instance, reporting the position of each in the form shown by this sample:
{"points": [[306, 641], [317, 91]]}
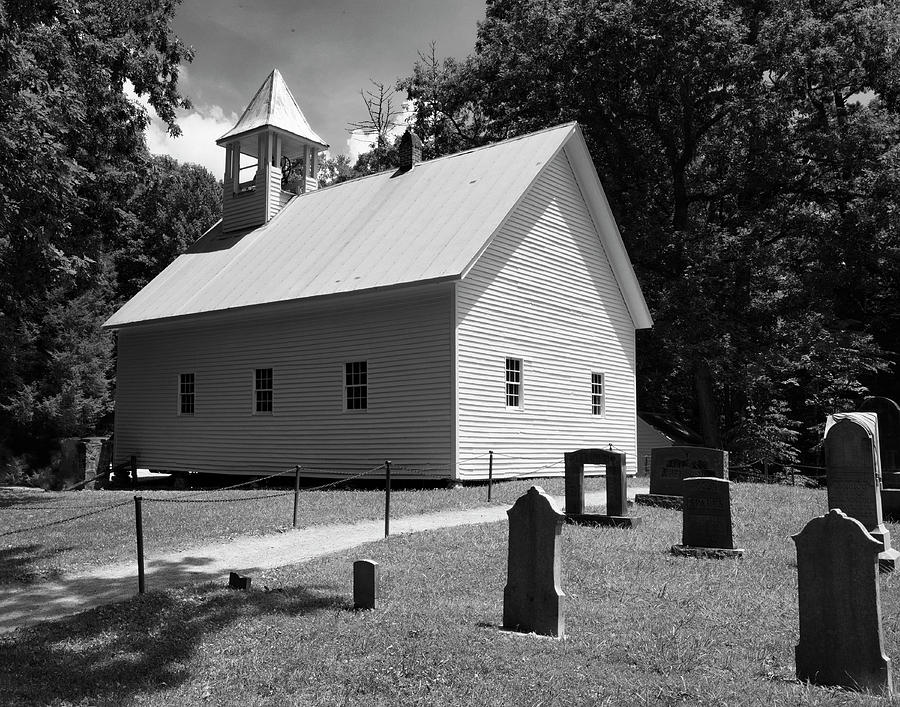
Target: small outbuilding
{"points": [[426, 315]]}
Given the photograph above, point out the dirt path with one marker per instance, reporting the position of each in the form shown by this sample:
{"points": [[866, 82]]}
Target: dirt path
{"points": [[22, 605]]}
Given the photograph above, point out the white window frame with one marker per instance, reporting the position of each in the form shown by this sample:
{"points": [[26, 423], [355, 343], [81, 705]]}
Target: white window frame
{"points": [[602, 405], [254, 390], [345, 386], [193, 394], [520, 394]]}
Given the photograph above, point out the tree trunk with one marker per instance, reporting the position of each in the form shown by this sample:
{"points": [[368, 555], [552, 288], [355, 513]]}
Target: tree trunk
{"points": [[706, 404], [680, 200]]}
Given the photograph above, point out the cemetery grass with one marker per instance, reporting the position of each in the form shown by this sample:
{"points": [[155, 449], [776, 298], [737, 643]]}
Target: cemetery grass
{"points": [[642, 627], [45, 553]]}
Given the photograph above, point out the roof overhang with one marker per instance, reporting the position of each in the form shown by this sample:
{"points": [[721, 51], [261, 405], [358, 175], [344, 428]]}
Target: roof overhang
{"points": [[605, 223]]}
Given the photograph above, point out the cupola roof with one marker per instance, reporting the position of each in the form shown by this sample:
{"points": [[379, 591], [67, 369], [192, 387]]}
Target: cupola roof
{"points": [[273, 106]]}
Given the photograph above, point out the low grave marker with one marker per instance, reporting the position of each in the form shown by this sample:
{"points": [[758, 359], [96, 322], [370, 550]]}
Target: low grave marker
{"points": [[241, 582], [840, 611], [616, 489], [533, 600], [366, 577], [670, 466], [706, 519], [852, 468]]}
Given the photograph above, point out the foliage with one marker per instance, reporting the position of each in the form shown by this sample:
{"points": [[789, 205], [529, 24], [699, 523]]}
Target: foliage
{"points": [[72, 156], [749, 151], [333, 170], [380, 158], [172, 205]]}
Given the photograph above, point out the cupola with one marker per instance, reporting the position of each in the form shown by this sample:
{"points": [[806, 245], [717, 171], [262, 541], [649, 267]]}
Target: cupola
{"points": [[280, 156]]}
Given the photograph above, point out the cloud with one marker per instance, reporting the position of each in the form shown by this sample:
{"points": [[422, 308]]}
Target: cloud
{"points": [[200, 128]]}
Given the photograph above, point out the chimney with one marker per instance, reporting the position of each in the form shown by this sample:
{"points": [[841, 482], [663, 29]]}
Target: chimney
{"points": [[410, 150]]}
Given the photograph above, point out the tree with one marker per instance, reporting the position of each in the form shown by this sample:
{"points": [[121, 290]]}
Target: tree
{"points": [[755, 195], [171, 207], [380, 111], [333, 170], [71, 146], [380, 123]]}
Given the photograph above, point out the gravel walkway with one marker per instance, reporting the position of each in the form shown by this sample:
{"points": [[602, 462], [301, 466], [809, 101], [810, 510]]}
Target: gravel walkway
{"points": [[27, 604]]}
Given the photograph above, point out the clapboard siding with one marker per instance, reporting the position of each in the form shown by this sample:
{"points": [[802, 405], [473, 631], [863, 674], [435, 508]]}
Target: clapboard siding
{"points": [[277, 196], [246, 209], [543, 291], [404, 336]]}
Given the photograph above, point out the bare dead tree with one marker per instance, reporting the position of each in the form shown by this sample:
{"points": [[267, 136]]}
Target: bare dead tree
{"points": [[380, 107]]}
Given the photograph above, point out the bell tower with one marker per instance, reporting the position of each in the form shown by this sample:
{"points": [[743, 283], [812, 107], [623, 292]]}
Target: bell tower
{"points": [[271, 155]]}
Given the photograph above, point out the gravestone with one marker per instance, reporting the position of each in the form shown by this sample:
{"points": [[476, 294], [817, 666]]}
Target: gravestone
{"points": [[670, 466], [706, 519], [237, 581], [840, 612], [888, 413], [616, 489], [852, 474], [532, 599], [365, 584]]}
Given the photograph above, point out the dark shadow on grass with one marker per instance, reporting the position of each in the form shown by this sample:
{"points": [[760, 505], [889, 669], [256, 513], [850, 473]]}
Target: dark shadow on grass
{"points": [[20, 564], [112, 653]]}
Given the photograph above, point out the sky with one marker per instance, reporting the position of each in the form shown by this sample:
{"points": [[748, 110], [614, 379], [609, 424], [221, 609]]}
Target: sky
{"points": [[326, 50]]}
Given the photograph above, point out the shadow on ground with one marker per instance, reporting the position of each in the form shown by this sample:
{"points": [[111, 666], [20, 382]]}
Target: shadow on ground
{"points": [[26, 564], [113, 652]]}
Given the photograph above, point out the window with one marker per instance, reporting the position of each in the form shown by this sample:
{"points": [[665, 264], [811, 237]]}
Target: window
{"points": [[263, 390], [355, 385], [596, 393], [186, 394], [513, 382]]}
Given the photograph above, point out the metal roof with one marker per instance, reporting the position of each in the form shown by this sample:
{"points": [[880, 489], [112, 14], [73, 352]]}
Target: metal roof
{"points": [[273, 105], [389, 229]]}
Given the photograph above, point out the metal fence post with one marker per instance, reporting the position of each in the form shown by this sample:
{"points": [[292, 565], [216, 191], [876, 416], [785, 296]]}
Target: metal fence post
{"points": [[490, 472], [296, 491], [387, 498], [139, 528]]}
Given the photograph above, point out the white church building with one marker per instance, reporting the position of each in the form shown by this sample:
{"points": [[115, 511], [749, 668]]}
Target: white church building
{"points": [[478, 301]]}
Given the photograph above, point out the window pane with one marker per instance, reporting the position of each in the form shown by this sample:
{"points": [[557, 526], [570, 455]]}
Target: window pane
{"points": [[513, 382], [355, 385], [597, 393], [186, 393], [263, 389]]}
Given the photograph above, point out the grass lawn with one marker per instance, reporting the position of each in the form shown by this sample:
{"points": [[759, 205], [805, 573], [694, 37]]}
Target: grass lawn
{"points": [[643, 627], [109, 536]]}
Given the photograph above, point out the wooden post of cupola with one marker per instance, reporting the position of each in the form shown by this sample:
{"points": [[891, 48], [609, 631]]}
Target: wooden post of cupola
{"points": [[235, 167]]}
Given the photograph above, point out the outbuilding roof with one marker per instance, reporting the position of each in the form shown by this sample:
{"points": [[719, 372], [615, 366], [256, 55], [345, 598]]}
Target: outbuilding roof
{"points": [[273, 105], [428, 224]]}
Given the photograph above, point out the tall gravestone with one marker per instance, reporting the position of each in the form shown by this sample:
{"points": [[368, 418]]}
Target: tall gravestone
{"points": [[706, 519], [840, 612], [670, 466], [852, 468], [533, 600], [616, 489], [888, 413]]}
